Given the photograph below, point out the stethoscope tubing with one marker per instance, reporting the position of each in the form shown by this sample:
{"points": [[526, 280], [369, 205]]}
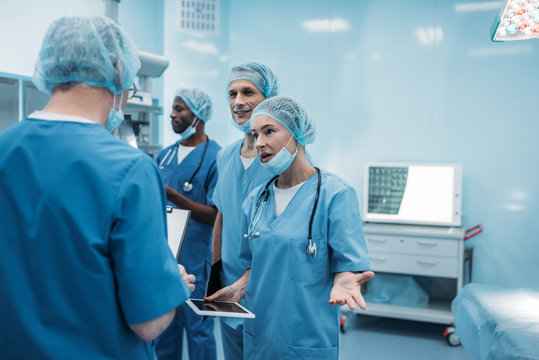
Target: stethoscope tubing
{"points": [[187, 186], [263, 199], [175, 147], [258, 210]]}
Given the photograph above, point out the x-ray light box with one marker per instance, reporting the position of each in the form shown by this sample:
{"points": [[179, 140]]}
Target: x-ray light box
{"points": [[408, 193]]}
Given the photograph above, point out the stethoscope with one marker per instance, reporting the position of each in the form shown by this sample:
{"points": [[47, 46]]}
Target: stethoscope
{"points": [[188, 185], [263, 199]]}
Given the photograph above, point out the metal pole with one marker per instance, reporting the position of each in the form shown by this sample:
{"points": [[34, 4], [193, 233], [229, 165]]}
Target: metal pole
{"points": [[111, 9], [146, 83]]}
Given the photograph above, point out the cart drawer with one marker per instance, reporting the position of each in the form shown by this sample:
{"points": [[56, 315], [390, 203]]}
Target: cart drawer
{"points": [[414, 264], [412, 245]]}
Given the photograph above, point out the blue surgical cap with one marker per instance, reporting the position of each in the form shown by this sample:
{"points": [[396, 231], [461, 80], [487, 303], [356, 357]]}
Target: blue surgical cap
{"points": [[291, 115], [93, 50], [261, 75], [198, 102]]}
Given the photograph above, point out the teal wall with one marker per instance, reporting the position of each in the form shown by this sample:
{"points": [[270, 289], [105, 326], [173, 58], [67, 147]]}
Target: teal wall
{"points": [[201, 61], [23, 24], [409, 80]]}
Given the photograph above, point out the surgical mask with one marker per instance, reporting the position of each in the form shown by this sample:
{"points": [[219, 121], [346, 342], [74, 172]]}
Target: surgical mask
{"points": [[244, 128], [190, 130], [281, 161], [115, 116]]}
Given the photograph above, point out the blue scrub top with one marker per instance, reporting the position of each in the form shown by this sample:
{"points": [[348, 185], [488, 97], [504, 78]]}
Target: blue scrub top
{"points": [[83, 251], [233, 186], [196, 248], [288, 290]]}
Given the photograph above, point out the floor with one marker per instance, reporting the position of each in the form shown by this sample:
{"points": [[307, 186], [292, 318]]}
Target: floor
{"points": [[379, 338], [382, 338]]}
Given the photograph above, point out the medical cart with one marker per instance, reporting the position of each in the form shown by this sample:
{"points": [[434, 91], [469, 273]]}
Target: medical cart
{"points": [[412, 226]]}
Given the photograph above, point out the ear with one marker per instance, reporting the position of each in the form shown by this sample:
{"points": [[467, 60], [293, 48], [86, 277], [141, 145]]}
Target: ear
{"points": [[200, 123]]}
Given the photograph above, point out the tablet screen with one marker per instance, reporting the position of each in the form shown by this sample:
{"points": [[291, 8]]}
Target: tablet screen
{"points": [[217, 306]]}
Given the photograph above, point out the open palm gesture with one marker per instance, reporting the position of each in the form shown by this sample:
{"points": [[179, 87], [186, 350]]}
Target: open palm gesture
{"points": [[347, 290]]}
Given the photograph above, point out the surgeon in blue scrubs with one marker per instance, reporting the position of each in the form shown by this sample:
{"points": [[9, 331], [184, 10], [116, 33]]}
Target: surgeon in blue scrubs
{"points": [[189, 171], [85, 269], [303, 248], [249, 84]]}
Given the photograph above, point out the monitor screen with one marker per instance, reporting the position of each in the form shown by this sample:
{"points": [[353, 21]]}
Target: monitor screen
{"points": [[425, 194]]}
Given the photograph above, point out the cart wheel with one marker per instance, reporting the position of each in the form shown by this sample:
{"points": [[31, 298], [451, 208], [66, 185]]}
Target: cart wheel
{"points": [[343, 322], [452, 338]]}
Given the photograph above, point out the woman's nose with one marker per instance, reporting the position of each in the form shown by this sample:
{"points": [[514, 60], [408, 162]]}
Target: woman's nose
{"points": [[259, 142]]}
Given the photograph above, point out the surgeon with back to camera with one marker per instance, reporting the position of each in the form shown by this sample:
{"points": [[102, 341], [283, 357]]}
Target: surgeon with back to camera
{"points": [[85, 269], [189, 171], [303, 249], [239, 173]]}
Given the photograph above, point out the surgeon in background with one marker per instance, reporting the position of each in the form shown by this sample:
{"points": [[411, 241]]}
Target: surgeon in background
{"points": [[85, 269], [303, 248], [249, 84], [189, 171]]}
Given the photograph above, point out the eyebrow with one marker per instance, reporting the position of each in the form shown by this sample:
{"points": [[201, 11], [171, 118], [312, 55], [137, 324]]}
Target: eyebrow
{"points": [[265, 126], [251, 88]]}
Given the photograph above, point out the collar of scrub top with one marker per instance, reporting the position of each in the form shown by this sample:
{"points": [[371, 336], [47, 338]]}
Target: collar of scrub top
{"points": [[188, 185], [43, 115], [263, 199]]}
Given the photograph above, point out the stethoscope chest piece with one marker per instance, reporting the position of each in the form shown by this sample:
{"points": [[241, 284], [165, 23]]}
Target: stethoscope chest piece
{"points": [[253, 235], [311, 248], [187, 186]]}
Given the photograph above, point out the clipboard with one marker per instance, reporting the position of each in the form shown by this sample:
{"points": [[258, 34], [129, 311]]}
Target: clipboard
{"points": [[177, 221]]}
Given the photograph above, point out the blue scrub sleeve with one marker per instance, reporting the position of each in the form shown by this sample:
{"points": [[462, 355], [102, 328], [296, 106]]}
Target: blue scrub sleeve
{"points": [[245, 255], [148, 281], [345, 234], [212, 182], [218, 189]]}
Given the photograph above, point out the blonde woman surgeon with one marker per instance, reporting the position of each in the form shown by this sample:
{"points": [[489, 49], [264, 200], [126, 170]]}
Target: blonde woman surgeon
{"points": [[303, 249]]}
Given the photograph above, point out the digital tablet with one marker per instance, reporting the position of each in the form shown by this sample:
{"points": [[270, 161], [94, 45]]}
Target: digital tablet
{"points": [[219, 308], [177, 220]]}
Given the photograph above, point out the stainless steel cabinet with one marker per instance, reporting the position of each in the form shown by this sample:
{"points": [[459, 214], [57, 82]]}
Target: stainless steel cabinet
{"points": [[145, 120], [432, 251], [9, 102], [18, 99]]}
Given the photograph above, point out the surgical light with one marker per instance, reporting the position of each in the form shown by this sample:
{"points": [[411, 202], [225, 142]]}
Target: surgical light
{"points": [[518, 20]]}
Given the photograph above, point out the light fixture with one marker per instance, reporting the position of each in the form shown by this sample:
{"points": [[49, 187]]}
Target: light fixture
{"points": [[519, 20]]}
